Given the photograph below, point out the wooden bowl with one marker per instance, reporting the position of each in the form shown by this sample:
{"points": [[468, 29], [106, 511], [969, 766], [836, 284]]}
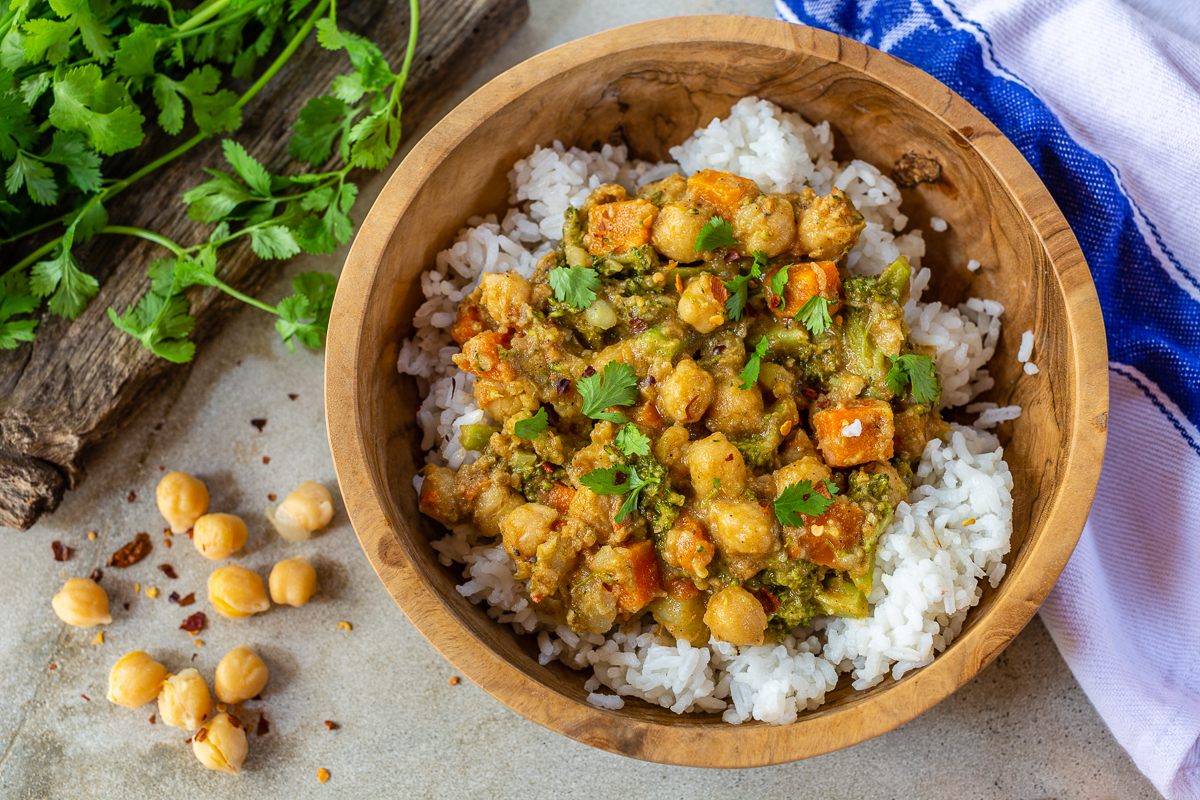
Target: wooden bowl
{"points": [[651, 85]]}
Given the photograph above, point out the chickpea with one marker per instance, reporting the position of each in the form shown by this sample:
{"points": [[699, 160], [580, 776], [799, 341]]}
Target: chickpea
{"points": [[82, 602], [809, 467], [135, 680], [236, 592], [493, 505], [293, 581], [526, 527], [309, 508], [184, 701], [717, 467], [505, 296], [735, 616], [676, 229], [768, 224], [735, 410], [182, 500], [221, 744], [685, 394], [741, 529], [241, 675], [218, 536], [698, 305]]}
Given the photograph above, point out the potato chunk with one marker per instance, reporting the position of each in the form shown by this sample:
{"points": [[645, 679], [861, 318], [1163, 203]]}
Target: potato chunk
{"points": [[617, 226], [676, 229], [686, 393], [702, 304], [716, 466], [735, 616], [855, 433], [724, 191], [805, 281]]}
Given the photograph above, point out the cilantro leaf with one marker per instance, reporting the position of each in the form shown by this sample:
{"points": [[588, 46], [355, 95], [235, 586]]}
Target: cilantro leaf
{"points": [[815, 315], [779, 280], [750, 373], [921, 372], [248, 169], [802, 498], [34, 87], [305, 315], [135, 53], [88, 220], [739, 287], [616, 480], [17, 128], [616, 386], [60, 278], [15, 299], [213, 109], [375, 138], [102, 109], [70, 150], [216, 199], [715, 233], [632, 441], [273, 241], [321, 121], [576, 286], [530, 427], [161, 323], [36, 177]]}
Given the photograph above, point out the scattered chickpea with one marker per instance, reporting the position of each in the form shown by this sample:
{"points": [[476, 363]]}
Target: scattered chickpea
{"points": [[322, 775], [184, 700], [135, 680], [293, 581], [182, 500], [82, 602], [221, 745], [241, 675], [91, 536], [218, 536], [236, 592], [307, 509]]}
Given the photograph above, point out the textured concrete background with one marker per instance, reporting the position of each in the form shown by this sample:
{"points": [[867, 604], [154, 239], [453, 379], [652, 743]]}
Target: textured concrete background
{"points": [[1022, 728]]}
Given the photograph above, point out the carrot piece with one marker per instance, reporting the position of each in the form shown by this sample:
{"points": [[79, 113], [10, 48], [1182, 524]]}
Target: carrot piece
{"points": [[724, 191], [874, 441], [616, 226]]}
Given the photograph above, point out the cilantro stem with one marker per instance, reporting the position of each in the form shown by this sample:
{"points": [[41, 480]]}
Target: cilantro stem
{"points": [[204, 13], [245, 298], [142, 233], [412, 45], [34, 256]]}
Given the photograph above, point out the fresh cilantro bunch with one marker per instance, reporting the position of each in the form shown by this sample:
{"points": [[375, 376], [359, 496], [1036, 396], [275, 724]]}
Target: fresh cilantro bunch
{"points": [[74, 78]]}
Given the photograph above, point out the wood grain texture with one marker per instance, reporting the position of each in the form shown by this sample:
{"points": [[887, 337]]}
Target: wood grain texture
{"points": [[82, 379], [651, 85]]}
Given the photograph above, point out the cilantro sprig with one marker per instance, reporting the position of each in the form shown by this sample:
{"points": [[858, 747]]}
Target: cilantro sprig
{"points": [[632, 441], [802, 498], [815, 315], [617, 480], [779, 280], [575, 286], [739, 287], [530, 427], [615, 386], [715, 233], [920, 372], [749, 373], [75, 78]]}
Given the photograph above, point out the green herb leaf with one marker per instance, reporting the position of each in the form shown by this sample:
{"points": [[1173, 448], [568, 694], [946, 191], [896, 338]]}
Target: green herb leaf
{"points": [[617, 480], [70, 150], [530, 427], [160, 322], [632, 441], [802, 498], [575, 286], [616, 386], [60, 278], [15, 299], [739, 287], [100, 108], [750, 373], [135, 53], [248, 169], [305, 315], [715, 233], [321, 121], [779, 280], [921, 372], [36, 177], [17, 128], [815, 315], [213, 109]]}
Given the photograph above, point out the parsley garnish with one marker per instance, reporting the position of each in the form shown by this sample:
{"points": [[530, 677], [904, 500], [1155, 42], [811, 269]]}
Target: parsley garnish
{"points": [[750, 373], [575, 286], [616, 386], [802, 498], [815, 315], [617, 480], [715, 233], [920, 372], [779, 280], [530, 427], [739, 287], [632, 441]]}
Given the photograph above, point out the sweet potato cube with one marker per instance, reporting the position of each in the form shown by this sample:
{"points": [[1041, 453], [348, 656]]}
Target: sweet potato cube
{"points": [[617, 226], [805, 281], [838, 440], [645, 583], [724, 191]]}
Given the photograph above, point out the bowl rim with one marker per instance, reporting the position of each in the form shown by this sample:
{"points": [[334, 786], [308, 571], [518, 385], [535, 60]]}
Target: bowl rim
{"points": [[702, 743]]}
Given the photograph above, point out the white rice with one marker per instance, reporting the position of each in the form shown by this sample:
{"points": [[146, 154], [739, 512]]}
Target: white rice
{"points": [[973, 265], [938, 224], [951, 534], [1026, 348]]}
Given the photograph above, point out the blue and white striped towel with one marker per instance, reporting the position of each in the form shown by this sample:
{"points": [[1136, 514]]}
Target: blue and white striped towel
{"points": [[1105, 104]]}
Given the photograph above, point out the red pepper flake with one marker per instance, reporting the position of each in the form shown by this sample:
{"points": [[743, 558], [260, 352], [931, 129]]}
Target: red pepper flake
{"points": [[292, 396], [132, 496], [189, 533], [85, 697], [271, 497], [823, 402], [454, 680], [173, 597], [770, 602], [589, 372], [266, 459], [546, 468], [259, 423], [193, 656], [331, 725], [61, 551], [166, 542], [152, 718], [131, 553], [718, 350], [97, 575], [161, 468], [201, 735], [810, 393], [168, 570], [187, 740], [127, 606], [53, 667], [194, 623], [729, 457], [639, 325], [263, 727], [234, 721], [187, 599]]}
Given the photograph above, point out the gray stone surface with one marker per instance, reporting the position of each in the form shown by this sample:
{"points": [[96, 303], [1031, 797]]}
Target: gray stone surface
{"points": [[1022, 728]]}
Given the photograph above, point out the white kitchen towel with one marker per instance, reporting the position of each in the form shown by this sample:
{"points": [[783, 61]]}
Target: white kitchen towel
{"points": [[1105, 104]]}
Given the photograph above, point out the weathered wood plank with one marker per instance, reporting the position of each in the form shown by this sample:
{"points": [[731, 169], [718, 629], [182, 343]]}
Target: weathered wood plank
{"points": [[82, 379]]}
